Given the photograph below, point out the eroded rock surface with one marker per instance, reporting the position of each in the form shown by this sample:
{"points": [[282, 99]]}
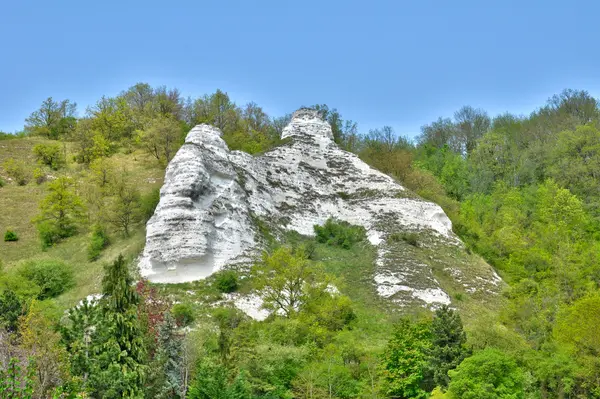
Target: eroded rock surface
{"points": [[212, 198]]}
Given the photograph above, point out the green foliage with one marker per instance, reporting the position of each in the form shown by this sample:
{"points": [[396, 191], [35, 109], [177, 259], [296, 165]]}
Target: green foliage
{"points": [[339, 233], [448, 347], [183, 314], [408, 237], [52, 276], [17, 170], [148, 203], [39, 176], [213, 382], [61, 211], [51, 155], [120, 369], [578, 326], [286, 280], [16, 382], [54, 119], [226, 281], [10, 235], [11, 308], [161, 138], [98, 241], [489, 374], [125, 209], [166, 379], [405, 368]]}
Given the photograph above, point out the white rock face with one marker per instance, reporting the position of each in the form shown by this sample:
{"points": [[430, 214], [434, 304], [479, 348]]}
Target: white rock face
{"points": [[212, 196]]}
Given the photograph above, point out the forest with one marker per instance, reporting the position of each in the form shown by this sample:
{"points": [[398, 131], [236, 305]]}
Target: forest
{"points": [[77, 186]]}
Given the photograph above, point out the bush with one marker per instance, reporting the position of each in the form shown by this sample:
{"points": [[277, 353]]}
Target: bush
{"points": [[148, 203], [226, 281], [2, 182], [183, 314], [52, 276], [10, 236], [339, 233], [50, 155], [409, 238], [98, 241], [39, 176], [49, 234], [17, 170]]}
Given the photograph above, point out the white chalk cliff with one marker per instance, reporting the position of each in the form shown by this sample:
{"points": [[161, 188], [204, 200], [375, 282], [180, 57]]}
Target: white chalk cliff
{"points": [[212, 199]]}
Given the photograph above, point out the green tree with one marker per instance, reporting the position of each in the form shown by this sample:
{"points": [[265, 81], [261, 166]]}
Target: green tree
{"points": [[575, 163], [405, 361], [166, 369], [448, 347], [212, 382], [283, 279], [52, 276], [54, 119], [489, 374], [112, 119], [51, 155], [11, 309], [125, 209], [61, 211], [119, 368], [161, 138], [17, 170]]}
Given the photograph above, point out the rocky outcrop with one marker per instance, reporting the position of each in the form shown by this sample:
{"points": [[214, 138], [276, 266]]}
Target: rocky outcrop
{"points": [[212, 199]]}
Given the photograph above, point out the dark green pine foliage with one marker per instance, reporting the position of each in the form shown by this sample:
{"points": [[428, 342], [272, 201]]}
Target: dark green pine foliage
{"points": [[167, 368], [448, 348], [79, 337], [11, 309], [119, 370]]}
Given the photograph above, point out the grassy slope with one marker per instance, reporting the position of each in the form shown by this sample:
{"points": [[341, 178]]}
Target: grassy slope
{"points": [[354, 267], [19, 205]]}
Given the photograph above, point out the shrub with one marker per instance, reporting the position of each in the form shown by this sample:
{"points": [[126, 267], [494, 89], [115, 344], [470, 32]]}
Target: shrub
{"points": [[2, 182], [98, 241], [148, 203], [339, 233], [39, 176], [226, 281], [52, 276], [50, 155], [183, 313], [17, 170], [409, 238], [10, 236], [49, 234]]}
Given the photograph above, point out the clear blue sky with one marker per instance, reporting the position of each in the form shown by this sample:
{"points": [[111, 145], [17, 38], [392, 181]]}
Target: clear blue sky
{"points": [[398, 63]]}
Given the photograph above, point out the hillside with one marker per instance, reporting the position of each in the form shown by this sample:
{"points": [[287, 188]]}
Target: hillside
{"points": [[327, 257], [20, 205]]}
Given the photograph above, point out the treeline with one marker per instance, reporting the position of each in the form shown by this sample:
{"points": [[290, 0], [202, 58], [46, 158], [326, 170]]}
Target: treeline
{"points": [[523, 192]]}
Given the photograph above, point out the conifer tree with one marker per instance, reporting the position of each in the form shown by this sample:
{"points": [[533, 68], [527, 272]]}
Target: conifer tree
{"points": [[167, 368], [119, 369], [448, 344]]}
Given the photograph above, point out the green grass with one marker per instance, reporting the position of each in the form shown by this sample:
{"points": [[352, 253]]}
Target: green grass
{"points": [[19, 205]]}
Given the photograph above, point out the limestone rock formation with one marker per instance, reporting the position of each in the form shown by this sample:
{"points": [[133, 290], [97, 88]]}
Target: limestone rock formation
{"points": [[212, 198]]}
